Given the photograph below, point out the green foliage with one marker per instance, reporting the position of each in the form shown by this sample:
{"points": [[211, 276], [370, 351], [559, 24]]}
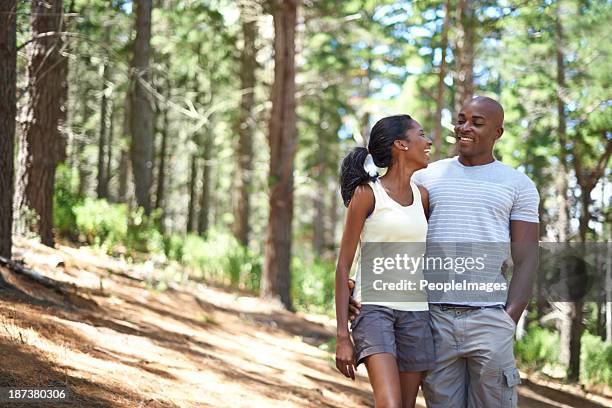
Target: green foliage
{"points": [[221, 258], [113, 227], [174, 247], [101, 223], [64, 202], [596, 360], [142, 232], [313, 285], [538, 348]]}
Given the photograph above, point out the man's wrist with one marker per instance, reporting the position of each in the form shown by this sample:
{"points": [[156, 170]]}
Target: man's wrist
{"points": [[514, 311]]}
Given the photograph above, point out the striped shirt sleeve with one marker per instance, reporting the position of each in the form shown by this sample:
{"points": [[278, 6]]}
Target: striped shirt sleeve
{"points": [[526, 204]]}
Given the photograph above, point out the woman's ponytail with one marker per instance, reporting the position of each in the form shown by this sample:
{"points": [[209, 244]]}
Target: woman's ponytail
{"points": [[384, 133], [353, 174]]}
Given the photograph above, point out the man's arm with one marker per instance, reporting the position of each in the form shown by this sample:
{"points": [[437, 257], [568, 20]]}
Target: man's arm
{"points": [[354, 305], [524, 236]]}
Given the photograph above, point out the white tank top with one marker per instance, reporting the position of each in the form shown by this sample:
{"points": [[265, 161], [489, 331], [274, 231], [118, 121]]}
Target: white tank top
{"points": [[392, 222]]}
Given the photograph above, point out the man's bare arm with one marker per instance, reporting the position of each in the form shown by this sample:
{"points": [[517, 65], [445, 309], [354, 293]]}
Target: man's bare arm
{"points": [[354, 305], [524, 236]]}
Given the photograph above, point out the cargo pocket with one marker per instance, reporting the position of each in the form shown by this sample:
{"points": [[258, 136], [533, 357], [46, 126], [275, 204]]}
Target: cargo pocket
{"points": [[511, 378]]}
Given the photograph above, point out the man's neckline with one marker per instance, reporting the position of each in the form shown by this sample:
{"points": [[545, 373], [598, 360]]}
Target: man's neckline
{"points": [[478, 166]]}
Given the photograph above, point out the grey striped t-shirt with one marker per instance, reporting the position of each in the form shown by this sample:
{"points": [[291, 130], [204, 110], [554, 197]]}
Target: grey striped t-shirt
{"points": [[469, 204]]}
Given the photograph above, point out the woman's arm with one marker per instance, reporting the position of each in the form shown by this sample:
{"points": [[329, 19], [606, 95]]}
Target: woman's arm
{"points": [[425, 200], [360, 207]]}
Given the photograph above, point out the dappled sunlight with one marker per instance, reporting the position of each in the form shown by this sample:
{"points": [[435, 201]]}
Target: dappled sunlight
{"points": [[174, 347]]}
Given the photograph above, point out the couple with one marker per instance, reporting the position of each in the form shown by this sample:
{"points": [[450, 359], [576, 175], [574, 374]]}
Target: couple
{"points": [[460, 352]]}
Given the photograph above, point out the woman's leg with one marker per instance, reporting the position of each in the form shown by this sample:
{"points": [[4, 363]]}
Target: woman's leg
{"points": [[385, 380], [410, 383]]}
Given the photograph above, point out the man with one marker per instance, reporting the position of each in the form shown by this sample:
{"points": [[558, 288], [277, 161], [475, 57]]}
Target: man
{"points": [[475, 198]]}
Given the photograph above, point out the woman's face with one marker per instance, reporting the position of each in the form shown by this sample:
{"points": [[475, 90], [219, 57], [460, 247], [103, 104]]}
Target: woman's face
{"points": [[418, 146]]}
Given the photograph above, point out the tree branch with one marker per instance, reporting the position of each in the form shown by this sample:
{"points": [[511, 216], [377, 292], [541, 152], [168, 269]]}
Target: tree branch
{"points": [[602, 163], [51, 34], [32, 275]]}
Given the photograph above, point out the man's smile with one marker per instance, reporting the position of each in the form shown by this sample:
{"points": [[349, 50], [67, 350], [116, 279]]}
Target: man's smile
{"points": [[465, 138]]}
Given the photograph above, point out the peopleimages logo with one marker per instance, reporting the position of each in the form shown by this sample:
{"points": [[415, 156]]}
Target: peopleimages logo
{"points": [[423, 284], [411, 264]]}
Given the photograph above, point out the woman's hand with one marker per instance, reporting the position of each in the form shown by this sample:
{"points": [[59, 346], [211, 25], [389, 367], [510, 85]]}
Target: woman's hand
{"points": [[345, 357]]}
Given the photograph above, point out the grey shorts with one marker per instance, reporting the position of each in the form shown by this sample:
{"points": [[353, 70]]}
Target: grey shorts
{"points": [[474, 359], [405, 335]]}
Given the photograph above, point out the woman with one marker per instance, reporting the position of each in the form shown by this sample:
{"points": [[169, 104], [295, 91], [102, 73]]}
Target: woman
{"points": [[393, 339]]}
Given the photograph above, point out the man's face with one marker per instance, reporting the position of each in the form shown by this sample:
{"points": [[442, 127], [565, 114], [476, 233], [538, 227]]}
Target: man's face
{"points": [[477, 129]]}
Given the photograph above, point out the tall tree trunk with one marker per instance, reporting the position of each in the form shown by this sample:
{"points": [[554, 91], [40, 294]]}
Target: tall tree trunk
{"points": [[191, 210], [541, 302], [82, 141], [440, 88], [334, 200], [609, 295], [141, 118], [246, 125], [124, 157], [276, 277], [102, 187], [109, 150], [41, 140], [587, 181], [161, 172], [366, 81], [319, 225], [464, 54], [571, 316], [124, 170], [205, 195], [600, 328], [8, 110]]}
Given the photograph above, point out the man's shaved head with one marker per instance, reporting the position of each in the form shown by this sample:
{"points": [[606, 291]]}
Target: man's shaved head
{"points": [[491, 107], [479, 124]]}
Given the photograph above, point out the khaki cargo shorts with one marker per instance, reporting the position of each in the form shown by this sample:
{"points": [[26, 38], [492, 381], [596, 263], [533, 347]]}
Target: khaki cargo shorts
{"points": [[475, 364]]}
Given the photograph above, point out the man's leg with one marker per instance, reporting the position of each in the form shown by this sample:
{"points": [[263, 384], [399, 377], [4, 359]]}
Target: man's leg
{"points": [[446, 385], [492, 370]]}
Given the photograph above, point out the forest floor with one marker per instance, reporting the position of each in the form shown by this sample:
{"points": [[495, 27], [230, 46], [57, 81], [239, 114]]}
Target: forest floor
{"points": [[114, 341]]}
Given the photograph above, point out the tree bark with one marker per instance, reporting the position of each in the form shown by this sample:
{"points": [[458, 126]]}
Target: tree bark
{"points": [[191, 210], [124, 159], [161, 172], [609, 295], [319, 224], [276, 277], [8, 111], [109, 150], [246, 125], [205, 195], [141, 118], [334, 201], [82, 141], [366, 81], [41, 141], [440, 88], [102, 187], [571, 319]]}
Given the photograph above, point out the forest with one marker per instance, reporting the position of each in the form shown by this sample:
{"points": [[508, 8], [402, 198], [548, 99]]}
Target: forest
{"points": [[158, 145]]}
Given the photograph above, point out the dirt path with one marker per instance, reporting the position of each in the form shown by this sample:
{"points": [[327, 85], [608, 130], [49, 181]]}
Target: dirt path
{"points": [[116, 342]]}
